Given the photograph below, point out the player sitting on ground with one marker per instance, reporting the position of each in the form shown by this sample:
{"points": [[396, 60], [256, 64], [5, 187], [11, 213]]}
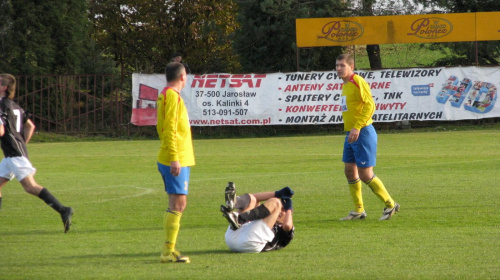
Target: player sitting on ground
{"points": [[256, 227]]}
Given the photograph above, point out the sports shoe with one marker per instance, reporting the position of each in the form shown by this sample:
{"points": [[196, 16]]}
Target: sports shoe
{"points": [[174, 257], [353, 215], [231, 217], [230, 196], [388, 212], [66, 218]]}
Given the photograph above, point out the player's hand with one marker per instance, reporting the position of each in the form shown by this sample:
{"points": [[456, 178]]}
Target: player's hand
{"points": [[175, 168], [287, 203], [353, 135]]}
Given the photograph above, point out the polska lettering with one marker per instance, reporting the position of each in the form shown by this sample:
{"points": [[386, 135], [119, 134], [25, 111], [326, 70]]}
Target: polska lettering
{"points": [[410, 73], [304, 77], [225, 80], [390, 106], [313, 108], [304, 87], [408, 116], [239, 94], [311, 97]]}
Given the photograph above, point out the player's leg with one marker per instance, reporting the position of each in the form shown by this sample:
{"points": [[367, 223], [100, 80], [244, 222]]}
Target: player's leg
{"points": [[249, 206], [263, 196], [247, 202], [284, 192], [378, 188], [353, 181], [366, 152], [30, 186], [366, 156], [376, 185], [3, 182], [171, 224], [261, 212], [5, 176], [274, 207], [177, 190]]}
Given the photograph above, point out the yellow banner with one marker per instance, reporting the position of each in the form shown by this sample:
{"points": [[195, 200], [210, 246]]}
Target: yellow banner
{"points": [[488, 26], [429, 28]]}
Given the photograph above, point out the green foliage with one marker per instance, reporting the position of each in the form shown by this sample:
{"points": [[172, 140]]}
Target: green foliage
{"points": [[447, 227], [46, 37], [266, 39], [464, 53], [143, 35]]}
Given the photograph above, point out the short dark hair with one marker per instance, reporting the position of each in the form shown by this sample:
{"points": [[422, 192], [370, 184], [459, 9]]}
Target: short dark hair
{"points": [[173, 71], [347, 57]]}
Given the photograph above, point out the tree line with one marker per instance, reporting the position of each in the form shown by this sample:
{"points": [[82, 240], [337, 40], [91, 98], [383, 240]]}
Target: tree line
{"points": [[233, 36]]}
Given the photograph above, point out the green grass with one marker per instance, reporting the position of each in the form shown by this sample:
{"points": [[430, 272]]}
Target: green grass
{"points": [[446, 183], [400, 55]]}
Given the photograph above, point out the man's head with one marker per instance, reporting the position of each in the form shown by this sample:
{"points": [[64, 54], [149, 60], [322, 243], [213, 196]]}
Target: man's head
{"points": [[8, 85], [177, 57], [345, 66], [176, 73]]}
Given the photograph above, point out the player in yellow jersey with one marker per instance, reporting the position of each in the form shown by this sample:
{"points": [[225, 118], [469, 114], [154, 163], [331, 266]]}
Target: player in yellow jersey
{"points": [[360, 145], [175, 156]]}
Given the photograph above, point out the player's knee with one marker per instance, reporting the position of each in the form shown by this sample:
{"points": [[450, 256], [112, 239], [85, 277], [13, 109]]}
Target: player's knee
{"points": [[178, 207], [34, 190], [275, 204], [253, 200]]}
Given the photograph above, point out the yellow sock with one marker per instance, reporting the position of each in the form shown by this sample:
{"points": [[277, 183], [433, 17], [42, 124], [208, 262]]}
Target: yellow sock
{"points": [[171, 225], [378, 188], [357, 198]]}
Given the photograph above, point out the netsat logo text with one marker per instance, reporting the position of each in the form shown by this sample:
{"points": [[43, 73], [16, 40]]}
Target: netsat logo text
{"points": [[341, 31], [227, 80], [431, 28]]}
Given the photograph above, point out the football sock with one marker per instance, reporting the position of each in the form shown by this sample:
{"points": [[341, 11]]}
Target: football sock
{"points": [[255, 214], [50, 200], [171, 225], [357, 198], [378, 188]]}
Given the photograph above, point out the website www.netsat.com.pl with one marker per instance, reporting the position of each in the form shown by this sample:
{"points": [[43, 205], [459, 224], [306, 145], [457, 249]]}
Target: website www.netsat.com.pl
{"points": [[231, 122]]}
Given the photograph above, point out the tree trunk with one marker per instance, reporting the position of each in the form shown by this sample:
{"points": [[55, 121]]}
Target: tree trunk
{"points": [[373, 51]]}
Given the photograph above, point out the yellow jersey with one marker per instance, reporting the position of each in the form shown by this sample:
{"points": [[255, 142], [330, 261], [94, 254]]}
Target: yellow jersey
{"points": [[357, 103], [174, 129]]}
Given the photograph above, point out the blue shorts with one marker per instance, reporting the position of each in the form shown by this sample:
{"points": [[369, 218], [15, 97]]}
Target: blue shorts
{"points": [[363, 152], [175, 185]]}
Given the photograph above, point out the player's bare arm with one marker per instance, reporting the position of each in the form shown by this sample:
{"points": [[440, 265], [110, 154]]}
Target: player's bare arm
{"points": [[29, 128]]}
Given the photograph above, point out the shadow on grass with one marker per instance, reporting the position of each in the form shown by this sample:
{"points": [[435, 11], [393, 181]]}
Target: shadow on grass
{"points": [[148, 258], [73, 231]]}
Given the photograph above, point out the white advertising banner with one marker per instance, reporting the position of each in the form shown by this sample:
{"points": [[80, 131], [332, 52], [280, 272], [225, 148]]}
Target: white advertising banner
{"points": [[416, 94]]}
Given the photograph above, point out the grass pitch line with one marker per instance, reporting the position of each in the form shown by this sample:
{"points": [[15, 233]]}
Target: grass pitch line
{"points": [[253, 175], [145, 192]]}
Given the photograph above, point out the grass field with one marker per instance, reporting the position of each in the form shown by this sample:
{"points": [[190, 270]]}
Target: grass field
{"points": [[446, 183], [400, 55]]}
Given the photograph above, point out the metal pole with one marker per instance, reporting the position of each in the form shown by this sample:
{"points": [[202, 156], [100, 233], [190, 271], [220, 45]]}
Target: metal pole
{"points": [[297, 52], [477, 56]]}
